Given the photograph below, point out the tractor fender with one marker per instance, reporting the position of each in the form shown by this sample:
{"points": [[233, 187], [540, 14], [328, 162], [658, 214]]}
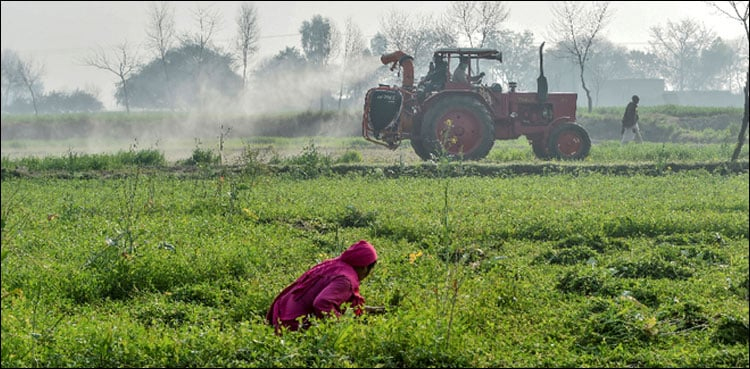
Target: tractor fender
{"points": [[544, 136], [435, 99], [560, 120], [557, 122]]}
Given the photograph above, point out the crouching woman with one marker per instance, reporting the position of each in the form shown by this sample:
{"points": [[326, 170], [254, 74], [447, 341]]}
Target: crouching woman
{"points": [[323, 289]]}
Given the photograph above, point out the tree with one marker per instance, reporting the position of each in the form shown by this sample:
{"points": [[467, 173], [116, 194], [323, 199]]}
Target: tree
{"points": [[397, 29], [607, 62], [284, 83], [415, 34], [737, 70], [643, 64], [735, 11], [218, 84], [520, 57], [477, 21], [679, 48], [123, 65], [379, 44], [160, 38], [354, 49], [317, 41], [12, 87], [575, 29], [288, 59], [208, 20], [745, 118], [320, 40], [29, 72], [714, 65], [70, 102], [248, 35], [208, 23]]}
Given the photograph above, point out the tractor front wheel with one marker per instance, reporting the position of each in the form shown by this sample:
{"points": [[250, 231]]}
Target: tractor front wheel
{"points": [[569, 141], [458, 127]]}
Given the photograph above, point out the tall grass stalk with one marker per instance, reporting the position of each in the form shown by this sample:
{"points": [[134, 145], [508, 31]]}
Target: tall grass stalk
{"points": [[454, 265]]}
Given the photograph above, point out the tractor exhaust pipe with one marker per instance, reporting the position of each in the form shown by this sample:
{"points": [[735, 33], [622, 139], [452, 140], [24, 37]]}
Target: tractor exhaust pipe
{"points": [[541, 82], [404, 60]]}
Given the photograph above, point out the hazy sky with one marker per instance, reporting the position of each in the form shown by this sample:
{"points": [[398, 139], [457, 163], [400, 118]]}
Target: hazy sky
{"points": [[57, 34]]}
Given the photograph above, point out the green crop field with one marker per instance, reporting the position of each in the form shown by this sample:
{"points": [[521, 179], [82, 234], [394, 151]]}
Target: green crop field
{"points": [[110, 264], [140, 240]]}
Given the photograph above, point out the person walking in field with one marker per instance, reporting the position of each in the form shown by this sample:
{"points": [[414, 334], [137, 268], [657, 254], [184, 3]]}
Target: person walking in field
{"points": [[322, 290], [630, 129]]}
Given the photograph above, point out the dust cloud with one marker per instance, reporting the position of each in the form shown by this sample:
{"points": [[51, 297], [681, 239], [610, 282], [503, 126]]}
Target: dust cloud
{"points": [[268, 106]]}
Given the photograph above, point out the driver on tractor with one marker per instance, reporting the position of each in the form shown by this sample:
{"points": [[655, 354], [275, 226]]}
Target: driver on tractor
{"points": [[459, 75]]}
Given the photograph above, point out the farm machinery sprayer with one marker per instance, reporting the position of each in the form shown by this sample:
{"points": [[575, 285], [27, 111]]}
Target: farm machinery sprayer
{"points": [[462, 118]]}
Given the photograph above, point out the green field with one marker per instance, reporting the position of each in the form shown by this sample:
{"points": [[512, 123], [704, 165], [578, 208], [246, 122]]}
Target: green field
{"points": [[136, 266], [160, 240], [684, 132]]}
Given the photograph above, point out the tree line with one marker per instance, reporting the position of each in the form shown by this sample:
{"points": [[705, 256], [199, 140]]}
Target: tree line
{"points": [[335, 66]]}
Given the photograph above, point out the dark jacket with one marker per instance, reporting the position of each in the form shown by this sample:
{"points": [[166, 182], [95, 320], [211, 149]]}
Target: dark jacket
{"points": [[630, 118]]}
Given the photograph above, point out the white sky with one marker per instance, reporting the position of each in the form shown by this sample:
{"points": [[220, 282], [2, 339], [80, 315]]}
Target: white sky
{"points": [[57, 34]]}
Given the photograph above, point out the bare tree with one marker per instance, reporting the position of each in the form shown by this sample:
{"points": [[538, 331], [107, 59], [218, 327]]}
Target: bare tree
{"points": [[607, 62], [354, 46], [480, 20], [30, 72], [734, 10], [397, 28], [160, 38], [337, 39], [208, 20], [745, 118], [477, 21], [354, 41], [462, 14], [575, 29], [736, 72], [678, 46], [122, 65], [11, 82], [417, 35], [248, 35]]}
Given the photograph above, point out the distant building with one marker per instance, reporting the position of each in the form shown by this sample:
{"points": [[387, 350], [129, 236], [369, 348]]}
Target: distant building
{"points": [[618, 92], [704, 98]]}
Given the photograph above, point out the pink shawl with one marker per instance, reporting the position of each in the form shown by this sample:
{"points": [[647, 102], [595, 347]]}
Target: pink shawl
{"points": [[359, 254]]}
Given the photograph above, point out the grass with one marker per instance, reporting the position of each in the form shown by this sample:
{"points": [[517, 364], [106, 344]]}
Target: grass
{"points": [[531, 271], [329, 151], [114, 259]]}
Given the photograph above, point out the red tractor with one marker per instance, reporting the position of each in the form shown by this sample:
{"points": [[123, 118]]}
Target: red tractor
{"points": [[462, 117]]}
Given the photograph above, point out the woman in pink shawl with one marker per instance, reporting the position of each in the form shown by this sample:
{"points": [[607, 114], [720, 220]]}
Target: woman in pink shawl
{"points": [[324, 288]]}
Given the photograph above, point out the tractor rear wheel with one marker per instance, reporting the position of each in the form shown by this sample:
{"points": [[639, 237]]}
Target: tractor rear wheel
{"points": [[458, 127], [569, 142]]}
